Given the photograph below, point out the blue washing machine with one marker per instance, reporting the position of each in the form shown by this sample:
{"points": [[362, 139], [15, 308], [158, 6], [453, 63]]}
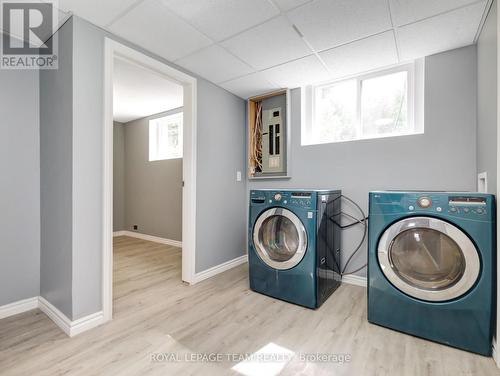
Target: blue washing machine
{"points": [[294, 245], [431, 266]]}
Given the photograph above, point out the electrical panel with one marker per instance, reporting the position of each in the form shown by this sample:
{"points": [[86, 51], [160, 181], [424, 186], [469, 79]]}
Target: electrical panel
{"points": [[268, 136], [272, 140]]}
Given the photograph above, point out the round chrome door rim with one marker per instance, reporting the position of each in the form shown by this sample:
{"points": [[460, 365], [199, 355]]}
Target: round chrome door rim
{"points": [[261, 250], [469, 251]]}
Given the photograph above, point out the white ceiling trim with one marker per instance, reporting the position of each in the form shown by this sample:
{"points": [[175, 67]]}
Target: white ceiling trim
{"points": [[483, 20]]}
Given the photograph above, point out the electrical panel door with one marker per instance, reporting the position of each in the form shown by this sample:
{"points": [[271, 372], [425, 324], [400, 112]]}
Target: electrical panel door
{"points": [[272, 141]]}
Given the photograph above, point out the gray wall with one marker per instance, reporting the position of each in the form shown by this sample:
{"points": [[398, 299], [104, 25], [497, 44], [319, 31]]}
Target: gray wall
{"points": [[487, 100], [221, 200], [220, 153], [56, 159], [118, 177], [221, 142], [153, 190], [88, 76], [71, 173], [19, 185], [443, 158], [73, 232]]}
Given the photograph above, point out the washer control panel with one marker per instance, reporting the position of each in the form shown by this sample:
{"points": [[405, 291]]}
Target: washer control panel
{"points": [[301, 199]]}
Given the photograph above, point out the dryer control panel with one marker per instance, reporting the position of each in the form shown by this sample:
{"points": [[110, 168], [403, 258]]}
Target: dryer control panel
{"points": [[463, 206], [467, 205]]}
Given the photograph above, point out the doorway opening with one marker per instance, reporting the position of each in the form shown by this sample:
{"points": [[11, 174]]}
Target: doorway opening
{"points": [[150, 158]]}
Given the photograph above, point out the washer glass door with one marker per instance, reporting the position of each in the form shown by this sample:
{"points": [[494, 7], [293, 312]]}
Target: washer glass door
{"points": [[428, 259], [280, 238]]}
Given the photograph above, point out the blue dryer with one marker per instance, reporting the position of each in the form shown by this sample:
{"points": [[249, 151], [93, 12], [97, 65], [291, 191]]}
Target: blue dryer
{"points": [[294, 245], [431, 266]]}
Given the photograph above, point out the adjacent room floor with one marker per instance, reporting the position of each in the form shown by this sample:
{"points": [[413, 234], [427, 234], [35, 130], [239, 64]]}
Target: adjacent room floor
{"points": [[156, 316]]}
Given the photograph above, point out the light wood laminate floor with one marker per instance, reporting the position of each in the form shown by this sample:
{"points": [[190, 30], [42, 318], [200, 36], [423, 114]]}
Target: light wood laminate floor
{"points": [[156, 315]]}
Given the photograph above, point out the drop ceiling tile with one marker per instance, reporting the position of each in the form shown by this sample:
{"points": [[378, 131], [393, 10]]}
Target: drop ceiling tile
{"points": [[215, 64], [305, 71], [220, 19], [249, 86], [286, 5], [408, 11], [272, 43], [329, 23], [152, 26], [361, 56], [445, 32], [98, 12]]}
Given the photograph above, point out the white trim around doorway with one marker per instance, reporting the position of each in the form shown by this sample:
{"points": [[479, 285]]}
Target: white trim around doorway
{"points": [[114, 49], [496, 340]]}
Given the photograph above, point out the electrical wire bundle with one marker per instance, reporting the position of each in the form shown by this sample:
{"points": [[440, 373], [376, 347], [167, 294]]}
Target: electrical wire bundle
{"points": [[256, 141], [355, 222]]}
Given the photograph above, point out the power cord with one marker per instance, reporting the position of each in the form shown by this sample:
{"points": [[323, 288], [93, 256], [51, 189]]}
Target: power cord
{"points": [[355, 222]]}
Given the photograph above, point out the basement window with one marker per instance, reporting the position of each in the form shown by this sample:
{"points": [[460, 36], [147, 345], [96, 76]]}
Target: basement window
{"points": [[165, 137], [386, 103]]}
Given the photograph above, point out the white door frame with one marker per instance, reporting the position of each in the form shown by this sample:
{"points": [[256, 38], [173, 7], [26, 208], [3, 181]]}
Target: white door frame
{"points": [[496, 347], [111, 50]]}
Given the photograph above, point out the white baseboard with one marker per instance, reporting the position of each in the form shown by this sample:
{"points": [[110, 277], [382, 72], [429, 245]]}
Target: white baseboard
{"points": [[59, 318], [350, 279], [354, 280], [496, 355], [220, 268], [151, 238], [18, 307], [71, 328], [86, 323]]}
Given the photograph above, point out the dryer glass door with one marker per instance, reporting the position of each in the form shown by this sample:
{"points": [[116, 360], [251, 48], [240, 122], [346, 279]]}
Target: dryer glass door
{"points": [[428, 259], [280, 238]]}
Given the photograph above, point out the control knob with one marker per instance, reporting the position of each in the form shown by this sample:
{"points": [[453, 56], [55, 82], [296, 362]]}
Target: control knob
{"points": [[424, 202]]}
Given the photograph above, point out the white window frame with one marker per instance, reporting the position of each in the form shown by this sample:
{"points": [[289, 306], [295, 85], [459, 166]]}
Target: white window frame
{"points": [[416, 73], [153, 157]]}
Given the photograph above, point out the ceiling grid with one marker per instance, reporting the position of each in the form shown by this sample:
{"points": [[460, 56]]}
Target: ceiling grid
{"points": [[252, 47]]}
